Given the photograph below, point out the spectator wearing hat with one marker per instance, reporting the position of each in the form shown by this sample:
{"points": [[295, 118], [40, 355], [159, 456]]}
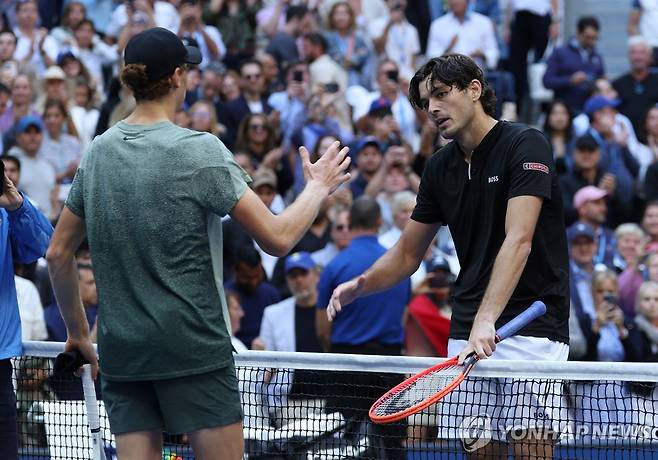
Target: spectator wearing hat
{"points": [[592, 209], [464, 32], [380, 123], [289, 325], [54, 88], [38, 177], [616, 158], [638, 89], [205, 37], [572, 68], [368, 160], [428, 323]]}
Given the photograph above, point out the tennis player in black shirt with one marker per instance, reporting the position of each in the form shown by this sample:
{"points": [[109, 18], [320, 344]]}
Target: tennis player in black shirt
{"points": [[496, 188]]}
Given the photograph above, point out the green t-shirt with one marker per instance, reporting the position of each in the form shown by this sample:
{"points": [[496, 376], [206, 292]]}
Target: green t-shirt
{"points": [[150, 196]]}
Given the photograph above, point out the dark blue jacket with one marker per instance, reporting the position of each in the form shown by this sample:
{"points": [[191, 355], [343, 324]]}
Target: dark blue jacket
{"points": [[563, 63]]}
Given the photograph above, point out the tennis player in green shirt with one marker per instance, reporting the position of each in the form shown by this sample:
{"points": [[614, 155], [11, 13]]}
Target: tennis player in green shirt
{"points": [[147, 195]]}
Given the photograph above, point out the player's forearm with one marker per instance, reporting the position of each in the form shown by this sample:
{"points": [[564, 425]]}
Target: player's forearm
{"points": [[507, 270], [391, 268], [64, 277], [289, 226]]}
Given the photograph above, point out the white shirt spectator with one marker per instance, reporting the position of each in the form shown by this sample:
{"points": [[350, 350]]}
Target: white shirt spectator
{"points": [[37, 179], [649, 20], [96, 57], [26, 49], [216, 36], [402, 43], [60, 154], [475, 33], [33, 323], [85, 123], [164, 13]]}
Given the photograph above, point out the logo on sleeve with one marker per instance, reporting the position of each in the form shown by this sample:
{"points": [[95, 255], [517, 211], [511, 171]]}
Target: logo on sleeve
{"points": [[536, 167]]}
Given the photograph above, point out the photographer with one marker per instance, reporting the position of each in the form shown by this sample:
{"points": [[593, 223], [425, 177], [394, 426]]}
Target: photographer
{"points": [[24, 237], [608, 331], [207, 37]]}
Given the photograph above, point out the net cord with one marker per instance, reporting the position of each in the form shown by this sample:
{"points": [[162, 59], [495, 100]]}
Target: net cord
{"points": [[552, 370]]}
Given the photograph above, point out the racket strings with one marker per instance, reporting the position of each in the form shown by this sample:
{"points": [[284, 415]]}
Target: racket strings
{"points": [[418, 391]]}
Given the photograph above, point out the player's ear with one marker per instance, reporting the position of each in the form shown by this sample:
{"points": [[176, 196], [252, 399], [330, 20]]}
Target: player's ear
{"points": [[475, 89]]}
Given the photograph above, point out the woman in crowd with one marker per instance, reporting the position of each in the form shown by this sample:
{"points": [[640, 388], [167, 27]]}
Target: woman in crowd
{"points": [[203, 118], [642, 343], [74, 13], [257, 136], [60, 149], [608, 331], [348, 46], [558, 129], [230, 90], [651, 149]]}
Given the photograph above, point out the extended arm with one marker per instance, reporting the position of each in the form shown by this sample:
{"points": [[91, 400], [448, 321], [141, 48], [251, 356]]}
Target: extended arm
{"points": [[396, 264], [278, 234], [69, 234]]}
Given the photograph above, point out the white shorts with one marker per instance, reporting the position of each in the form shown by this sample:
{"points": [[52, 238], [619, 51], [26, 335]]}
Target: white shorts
{"points": [[508, 407]]}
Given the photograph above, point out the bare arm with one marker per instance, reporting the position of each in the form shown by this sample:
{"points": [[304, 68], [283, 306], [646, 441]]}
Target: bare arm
{"points": [[69, 234], [270, 27], [520, 223], [396, 264], [634, 22], [278, 234]]}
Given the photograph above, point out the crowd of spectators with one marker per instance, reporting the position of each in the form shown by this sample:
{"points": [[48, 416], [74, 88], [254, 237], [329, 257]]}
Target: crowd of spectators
{"points": [[277, 74]]}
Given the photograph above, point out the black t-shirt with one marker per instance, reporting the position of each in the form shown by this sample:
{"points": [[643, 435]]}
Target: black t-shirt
{"points": [[637, 97], [307, 383], [512, 160]]}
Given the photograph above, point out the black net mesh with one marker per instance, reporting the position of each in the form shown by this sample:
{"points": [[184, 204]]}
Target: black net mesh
{"points": [[308, 414]]}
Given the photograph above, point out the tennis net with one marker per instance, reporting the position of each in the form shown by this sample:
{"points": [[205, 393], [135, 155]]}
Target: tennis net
{"points": [[314, 406]]}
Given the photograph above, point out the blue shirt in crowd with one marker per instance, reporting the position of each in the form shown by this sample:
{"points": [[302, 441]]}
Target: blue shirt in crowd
{"points": [[374, 318], [24, 236], [55, 323], [253, 305]]}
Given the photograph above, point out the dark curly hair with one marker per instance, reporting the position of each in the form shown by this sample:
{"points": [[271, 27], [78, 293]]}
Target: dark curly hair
{"points": [[452, 70], [135, 78]]}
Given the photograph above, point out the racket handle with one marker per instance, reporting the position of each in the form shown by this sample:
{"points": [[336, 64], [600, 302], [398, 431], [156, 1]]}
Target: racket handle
{"points": [[533, 312]]}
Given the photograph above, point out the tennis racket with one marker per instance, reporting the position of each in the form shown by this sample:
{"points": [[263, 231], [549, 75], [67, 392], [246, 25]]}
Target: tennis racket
{"points": [[70, 362], [431, 385]]}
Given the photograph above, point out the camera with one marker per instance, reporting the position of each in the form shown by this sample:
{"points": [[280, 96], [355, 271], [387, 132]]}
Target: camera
{"points": [[442, 280], [331, 87], [397, 7], [392, 75], [298, 76], [611, 299]]}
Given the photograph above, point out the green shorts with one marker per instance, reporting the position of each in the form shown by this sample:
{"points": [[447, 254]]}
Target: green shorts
{"points": [[179, 405]]}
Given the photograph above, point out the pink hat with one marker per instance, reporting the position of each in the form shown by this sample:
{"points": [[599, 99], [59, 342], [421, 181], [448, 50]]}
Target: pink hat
{"points": [[588, 193]]}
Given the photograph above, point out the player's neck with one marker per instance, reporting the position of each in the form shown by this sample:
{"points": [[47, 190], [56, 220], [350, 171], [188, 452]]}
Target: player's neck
{"points": [[476, 131], [151, 112]]}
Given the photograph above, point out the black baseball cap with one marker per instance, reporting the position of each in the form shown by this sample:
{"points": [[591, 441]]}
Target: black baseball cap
{"points": [[161, 51]]}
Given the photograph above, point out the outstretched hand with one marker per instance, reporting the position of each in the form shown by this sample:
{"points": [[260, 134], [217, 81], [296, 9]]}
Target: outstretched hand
{"points": [[344, 294], [330, 170]]}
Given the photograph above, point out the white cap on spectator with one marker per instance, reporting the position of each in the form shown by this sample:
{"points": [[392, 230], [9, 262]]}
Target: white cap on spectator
{"points": [[54, 73]]}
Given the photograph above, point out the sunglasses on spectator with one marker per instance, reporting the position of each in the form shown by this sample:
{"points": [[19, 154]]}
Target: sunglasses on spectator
{"points": [[341, 227], [253, 76], [257, 127]]}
